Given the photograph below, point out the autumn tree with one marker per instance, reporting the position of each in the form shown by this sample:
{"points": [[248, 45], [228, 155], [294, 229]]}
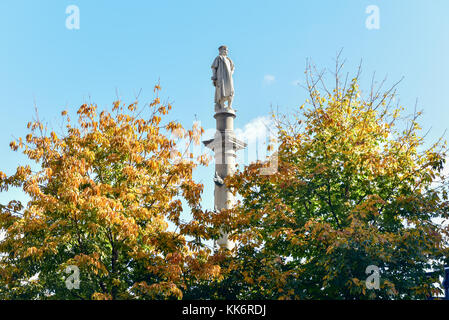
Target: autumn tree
{"points": [[357, 185], [102, 201]]}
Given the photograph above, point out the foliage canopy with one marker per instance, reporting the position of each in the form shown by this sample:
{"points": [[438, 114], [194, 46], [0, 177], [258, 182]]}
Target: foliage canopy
{"points": [[102, 201]]}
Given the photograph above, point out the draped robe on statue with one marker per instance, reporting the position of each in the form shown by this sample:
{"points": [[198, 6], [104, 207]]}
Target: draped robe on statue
{"points": [[223, 68]]}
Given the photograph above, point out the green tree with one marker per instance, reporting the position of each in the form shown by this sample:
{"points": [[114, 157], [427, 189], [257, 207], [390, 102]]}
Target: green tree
{"points": [[355, 186]]}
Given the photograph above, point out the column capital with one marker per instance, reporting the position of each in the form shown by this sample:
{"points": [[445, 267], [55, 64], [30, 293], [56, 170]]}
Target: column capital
{"points": [[225, 113], [228, 140]]}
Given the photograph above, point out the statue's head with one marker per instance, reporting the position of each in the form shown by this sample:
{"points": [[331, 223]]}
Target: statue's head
{"points": [[223, 50]]}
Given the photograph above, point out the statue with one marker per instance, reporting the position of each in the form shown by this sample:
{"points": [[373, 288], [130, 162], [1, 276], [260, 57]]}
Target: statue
{"points": [[222, 70]]}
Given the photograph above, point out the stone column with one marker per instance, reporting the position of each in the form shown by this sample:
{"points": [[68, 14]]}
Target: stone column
{"points": [[225, 145]]}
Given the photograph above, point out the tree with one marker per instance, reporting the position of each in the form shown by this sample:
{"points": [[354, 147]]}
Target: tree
{"points": [[102, 202], [356, 186]]}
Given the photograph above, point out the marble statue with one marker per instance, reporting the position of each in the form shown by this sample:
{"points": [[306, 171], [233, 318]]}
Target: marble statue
{"points": [[222, 70]]}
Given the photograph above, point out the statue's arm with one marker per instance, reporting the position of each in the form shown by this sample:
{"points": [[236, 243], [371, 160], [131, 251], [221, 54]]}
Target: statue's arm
{"points": [[214, 69]]}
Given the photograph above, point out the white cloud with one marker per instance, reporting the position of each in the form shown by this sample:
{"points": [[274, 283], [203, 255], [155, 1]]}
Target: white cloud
{"points": [[259, 128], [257, 134], [269, 78]]}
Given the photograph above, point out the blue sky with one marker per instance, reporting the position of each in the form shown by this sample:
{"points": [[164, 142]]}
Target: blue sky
{"points": [[126, 46]]}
